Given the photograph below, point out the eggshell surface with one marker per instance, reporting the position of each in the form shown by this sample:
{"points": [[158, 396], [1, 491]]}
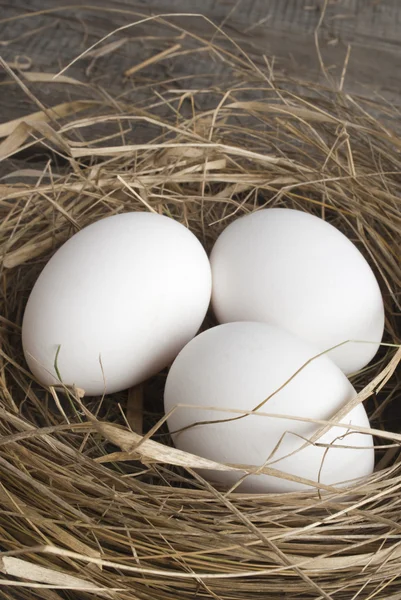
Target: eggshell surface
{"points": [[119, 300], [237, 366], [296, 271]]}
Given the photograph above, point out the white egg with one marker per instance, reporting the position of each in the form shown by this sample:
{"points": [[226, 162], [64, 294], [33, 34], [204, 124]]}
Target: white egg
{"points": [[237, 366], [295, 270], [119, 299]]}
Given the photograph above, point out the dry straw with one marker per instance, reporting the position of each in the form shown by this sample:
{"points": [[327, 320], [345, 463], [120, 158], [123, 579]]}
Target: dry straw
{"points": [[87, 503]]}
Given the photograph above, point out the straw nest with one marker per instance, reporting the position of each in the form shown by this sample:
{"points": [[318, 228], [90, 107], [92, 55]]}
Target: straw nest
{"points": [[87, 502]]}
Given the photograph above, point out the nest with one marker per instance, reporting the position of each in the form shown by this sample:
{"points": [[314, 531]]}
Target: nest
{"points": [[91, 507]]}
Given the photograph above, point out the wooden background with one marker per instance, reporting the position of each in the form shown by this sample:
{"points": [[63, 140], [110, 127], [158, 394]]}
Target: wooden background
{"points": [[45, 35]]}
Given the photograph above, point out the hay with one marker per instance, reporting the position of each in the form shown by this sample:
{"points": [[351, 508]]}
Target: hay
{"points": [[89, 507]]}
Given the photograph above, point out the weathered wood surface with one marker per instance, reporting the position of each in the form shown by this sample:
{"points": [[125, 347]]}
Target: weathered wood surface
{"points": [[46, 35], [281, 28]]}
